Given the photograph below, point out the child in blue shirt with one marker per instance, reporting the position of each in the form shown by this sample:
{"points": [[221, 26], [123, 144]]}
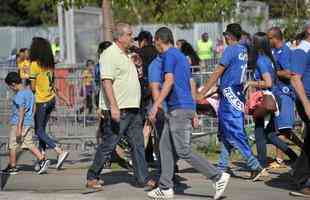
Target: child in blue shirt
{"points": [[21, 121]]}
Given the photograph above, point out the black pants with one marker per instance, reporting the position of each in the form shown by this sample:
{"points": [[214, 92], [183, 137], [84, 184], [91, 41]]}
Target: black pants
{"points": [[130, 125], [302, 165]]}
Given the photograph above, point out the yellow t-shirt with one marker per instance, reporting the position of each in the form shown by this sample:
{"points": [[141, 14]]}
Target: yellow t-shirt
{"points": [[44, 82], [24, 69], [87, 77]]}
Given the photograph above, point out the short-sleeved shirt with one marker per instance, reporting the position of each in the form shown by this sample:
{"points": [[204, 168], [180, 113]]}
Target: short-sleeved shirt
{"points": [[300, 61], [156, 74], [234, 59], [44, 79], [24, 69], [282, 57], [180, 97], [264, 66], [119, 68], [23, 99]]}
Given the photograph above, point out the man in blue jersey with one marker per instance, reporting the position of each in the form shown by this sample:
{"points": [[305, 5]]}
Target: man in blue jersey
{"points": [[176, 89], [283, 91], [301, 83], [232, 73]]}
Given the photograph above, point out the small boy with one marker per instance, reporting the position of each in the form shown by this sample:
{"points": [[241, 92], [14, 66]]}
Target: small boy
{"points": [[21, 121]]}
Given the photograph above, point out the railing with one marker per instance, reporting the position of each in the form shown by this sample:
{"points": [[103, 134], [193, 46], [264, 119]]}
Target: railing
{"points": [[76, 131]]}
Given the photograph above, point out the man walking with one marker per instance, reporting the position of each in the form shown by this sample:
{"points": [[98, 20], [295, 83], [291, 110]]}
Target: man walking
{"points": [[301, 83], [231, 72], [120, 101], [181, 109]]}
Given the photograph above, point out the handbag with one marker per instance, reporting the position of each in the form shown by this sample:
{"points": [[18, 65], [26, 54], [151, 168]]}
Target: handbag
{"points": [[260, 104]]}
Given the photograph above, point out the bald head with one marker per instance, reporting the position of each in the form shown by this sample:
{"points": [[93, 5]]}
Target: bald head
{"points": [[275, 37], [276, 33]]}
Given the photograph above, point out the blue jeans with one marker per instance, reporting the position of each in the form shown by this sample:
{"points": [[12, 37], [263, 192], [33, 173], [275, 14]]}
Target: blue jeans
{"points": [[130, 125], [42, 115], [264, 135]]}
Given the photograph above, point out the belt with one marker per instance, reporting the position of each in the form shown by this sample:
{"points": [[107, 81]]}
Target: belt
{"points": [[122, 111]]}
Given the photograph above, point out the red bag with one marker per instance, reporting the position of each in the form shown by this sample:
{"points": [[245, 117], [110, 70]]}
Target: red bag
{"points": [[255, 100], [260, 104]]}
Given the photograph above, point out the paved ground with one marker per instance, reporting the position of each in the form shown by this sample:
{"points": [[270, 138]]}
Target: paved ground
{"points": [[68, 184]]}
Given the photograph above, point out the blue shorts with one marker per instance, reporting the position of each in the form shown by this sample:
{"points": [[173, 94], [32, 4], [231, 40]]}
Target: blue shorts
{"points": [[286, 118]]}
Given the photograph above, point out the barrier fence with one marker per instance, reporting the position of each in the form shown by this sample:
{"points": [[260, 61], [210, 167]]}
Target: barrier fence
{"points": [[74, 128]]}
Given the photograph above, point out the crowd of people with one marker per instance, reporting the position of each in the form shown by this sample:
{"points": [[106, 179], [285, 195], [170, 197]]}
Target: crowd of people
{"points": [[149, 91]]}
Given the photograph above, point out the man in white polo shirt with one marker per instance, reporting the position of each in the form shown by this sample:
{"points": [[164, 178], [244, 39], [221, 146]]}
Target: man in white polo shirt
{"points": [[120, 100]]}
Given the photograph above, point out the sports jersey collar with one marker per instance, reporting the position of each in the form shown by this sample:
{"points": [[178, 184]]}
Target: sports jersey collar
{"points": [[304, 45]]}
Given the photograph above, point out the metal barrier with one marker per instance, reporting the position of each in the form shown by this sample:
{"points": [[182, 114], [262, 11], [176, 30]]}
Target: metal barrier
{"points": [[76, 131]]}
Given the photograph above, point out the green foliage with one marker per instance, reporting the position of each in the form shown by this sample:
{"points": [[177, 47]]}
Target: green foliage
{"points": [[136, 11], [292, 12], [167, 11]]}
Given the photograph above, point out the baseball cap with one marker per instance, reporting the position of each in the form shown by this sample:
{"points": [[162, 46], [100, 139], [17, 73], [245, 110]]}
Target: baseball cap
{"points": [[233, 29], [144, 35]]}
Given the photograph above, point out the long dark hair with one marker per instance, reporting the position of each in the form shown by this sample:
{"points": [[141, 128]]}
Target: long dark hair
{"points": [[262, 45], [189, 51], [41, 52]]}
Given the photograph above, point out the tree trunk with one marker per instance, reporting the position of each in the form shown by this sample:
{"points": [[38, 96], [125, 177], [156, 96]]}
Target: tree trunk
{"points": [[107, 20]]}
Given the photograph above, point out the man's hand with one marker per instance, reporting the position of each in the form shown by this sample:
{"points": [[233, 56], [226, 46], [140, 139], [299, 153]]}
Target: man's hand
{"points": [[199, 96], [115, 113], [153, 113], [195, 121]]}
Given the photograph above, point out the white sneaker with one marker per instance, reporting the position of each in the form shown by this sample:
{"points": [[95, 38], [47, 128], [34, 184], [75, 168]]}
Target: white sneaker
{"points": [[61, 158], [221, 185], [161, 194], [43, 166]]}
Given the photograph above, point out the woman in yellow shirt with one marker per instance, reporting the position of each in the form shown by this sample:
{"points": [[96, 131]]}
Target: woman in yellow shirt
{"points": [[42, 83]]}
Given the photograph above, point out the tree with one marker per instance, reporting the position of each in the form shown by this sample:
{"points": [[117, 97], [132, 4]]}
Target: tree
{"points": [[107, 19]]}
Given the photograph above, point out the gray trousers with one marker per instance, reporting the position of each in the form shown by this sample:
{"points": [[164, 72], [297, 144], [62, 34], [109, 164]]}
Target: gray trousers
{"points": [[176, 142]]}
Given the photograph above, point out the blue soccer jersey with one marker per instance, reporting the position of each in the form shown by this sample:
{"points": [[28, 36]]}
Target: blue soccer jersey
{"points": [[264, 66], [234, 59], [301, 63], [282, 57]]}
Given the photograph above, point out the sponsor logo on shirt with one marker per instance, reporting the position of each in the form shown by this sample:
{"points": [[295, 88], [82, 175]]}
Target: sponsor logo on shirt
{"points": [[233, 99], [285, 90]]}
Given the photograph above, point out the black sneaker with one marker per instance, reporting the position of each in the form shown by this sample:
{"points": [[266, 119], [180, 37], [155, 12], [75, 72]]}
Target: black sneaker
{"points": [[10, 170], [43, 166]]}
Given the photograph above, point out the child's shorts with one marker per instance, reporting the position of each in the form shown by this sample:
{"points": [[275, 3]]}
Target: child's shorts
{"points": [[26, 141]]}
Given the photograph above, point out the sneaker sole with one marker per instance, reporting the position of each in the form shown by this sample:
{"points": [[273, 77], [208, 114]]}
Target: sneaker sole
{"points": [[224, 186], [45, 167], [58, 166], [259, 175], [156, 198], [9, 173]]}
